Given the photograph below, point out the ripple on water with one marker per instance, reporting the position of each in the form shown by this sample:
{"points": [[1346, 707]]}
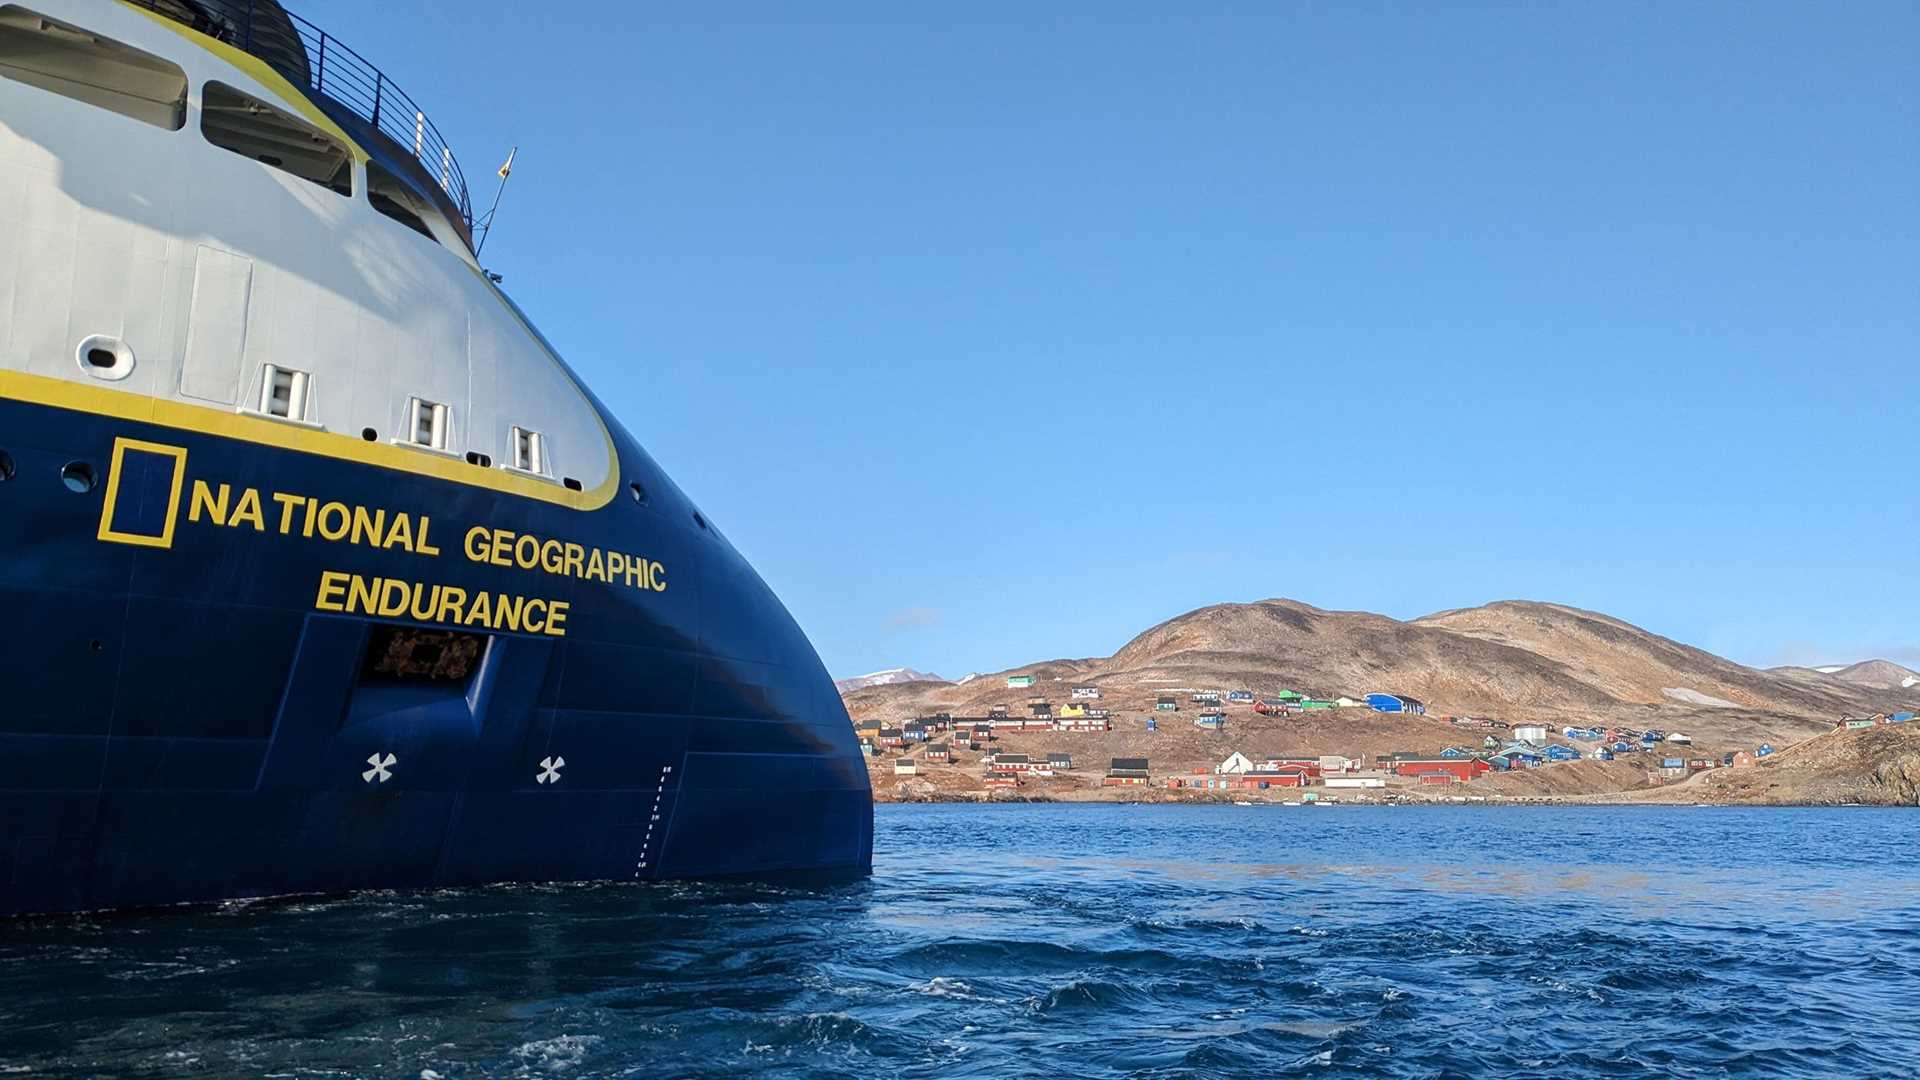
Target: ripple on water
{"points": [[1171, 942]]}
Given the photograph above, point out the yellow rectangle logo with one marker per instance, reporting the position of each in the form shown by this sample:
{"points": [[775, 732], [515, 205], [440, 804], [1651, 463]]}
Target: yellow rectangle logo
{"points": [[143, 493]]}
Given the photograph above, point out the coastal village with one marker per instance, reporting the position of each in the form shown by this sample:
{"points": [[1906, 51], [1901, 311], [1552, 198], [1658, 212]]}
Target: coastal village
{"points": [[1231, 745]]}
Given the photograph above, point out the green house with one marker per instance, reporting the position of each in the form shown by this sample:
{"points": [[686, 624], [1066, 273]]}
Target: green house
{"points": [[1309, 703], [1019, 680], [1288, 695]]}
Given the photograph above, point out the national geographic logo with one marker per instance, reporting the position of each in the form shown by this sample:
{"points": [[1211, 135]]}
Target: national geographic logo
{"points": [[143, 493]]}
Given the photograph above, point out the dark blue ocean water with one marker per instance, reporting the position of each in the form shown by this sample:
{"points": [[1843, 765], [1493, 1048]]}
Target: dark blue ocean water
{"points": [[1059, 941]]}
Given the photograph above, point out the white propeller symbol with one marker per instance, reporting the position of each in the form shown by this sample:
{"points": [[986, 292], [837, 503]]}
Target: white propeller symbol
{"points": [[380, 772]]}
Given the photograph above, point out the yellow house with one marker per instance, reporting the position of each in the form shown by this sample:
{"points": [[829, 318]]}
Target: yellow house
{"points": [[1073, 709]]}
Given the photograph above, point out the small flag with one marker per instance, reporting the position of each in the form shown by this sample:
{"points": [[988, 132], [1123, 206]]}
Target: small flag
{"points": [[507, 169]]}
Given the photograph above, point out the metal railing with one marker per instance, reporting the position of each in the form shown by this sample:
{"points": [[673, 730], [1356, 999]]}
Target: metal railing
{"points": [[310, 58]]}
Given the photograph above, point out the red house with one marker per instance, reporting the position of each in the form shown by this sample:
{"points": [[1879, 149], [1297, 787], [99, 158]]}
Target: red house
{"points": [[1458, 770], [1276, 779]]}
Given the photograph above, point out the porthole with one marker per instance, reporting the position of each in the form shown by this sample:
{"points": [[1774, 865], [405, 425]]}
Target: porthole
{"points": [[97, 646], [369, 434], [475, 457], [78, 476], [639, 493], [105, 357], [698, 520], [572, 484], [6, 466]]}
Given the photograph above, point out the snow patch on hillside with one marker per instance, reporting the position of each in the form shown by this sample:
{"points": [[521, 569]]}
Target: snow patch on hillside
{"points": [[884, 678], [1695, 697]]}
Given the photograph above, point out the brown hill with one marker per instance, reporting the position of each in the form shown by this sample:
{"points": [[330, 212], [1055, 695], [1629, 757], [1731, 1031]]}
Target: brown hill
{"points": [[1632, 665], [1277, 644], [1512, 660], [1878, 675]]}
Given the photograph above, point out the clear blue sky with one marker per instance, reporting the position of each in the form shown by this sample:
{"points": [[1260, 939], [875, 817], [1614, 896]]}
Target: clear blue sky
{"points": [[998, 331]]}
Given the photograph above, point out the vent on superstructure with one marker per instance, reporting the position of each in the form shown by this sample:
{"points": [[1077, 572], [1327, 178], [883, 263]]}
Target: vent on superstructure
{"points": [[529, 450], [428, 424], [283, 392]]}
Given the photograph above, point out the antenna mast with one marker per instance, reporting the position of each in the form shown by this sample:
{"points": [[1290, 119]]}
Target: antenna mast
{"points": [[486, 221]]}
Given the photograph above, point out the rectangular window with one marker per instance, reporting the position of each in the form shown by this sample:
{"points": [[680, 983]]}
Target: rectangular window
{"points": [[529, 451], [283, 392], [252, 128], [429, 424], [66, 60]]}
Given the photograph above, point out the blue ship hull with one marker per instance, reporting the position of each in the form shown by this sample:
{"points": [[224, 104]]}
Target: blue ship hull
{"points": [[189, 708]]}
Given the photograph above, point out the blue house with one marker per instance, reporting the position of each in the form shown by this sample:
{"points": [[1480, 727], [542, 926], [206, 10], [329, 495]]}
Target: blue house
{"points": [[1212, 720], [1396, 703], [1562, 753], [1766, 750], [1622, 747], [1520, 756]]}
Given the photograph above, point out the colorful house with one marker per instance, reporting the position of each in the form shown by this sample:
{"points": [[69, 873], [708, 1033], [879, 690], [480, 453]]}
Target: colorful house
{"points": [[1262, 780], [1240, 697], [1126, 771], [1072, 709], [905, 767], [1060, 761], [1395, 703], [1086, 693], [1019, 680], [1520, 756], [1457, 770], [1166, 703], [1212, 720]]}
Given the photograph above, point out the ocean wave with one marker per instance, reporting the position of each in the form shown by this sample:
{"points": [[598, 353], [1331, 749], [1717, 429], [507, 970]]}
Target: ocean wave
{"points": [[561, 1053]]}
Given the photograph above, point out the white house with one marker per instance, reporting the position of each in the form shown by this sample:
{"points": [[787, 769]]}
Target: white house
{"points": [[1355, 782], [905, 767], [1236, 762], [1679, 739], [1331, 763], [1086, 693], [1531, 733]]}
